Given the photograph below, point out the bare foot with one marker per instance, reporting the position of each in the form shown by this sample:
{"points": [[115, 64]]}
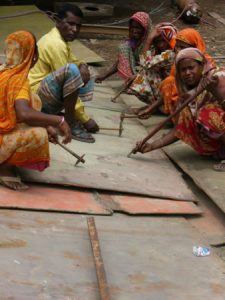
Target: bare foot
{"points": [[10, 180]]}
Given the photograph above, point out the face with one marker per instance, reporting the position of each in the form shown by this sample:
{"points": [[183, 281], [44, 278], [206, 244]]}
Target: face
{"points": [[69, 27], [160, 44], [190, 72], [136, 31], [180, 45]]}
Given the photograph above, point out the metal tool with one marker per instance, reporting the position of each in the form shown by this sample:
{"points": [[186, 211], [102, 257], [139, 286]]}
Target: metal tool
{"points": [[120, 129], [79, 158], [99, 264], [113, 99], [122, 117]]}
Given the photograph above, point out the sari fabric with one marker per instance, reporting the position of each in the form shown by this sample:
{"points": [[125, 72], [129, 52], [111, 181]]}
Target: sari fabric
{"points": [[129, 51], [20, 144], [168, 88], [202, 123], [154, 68]]}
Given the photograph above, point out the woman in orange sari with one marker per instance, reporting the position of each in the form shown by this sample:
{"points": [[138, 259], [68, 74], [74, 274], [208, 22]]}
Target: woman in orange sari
{"points": [[185, 38], [24, 131], [201, 124]]}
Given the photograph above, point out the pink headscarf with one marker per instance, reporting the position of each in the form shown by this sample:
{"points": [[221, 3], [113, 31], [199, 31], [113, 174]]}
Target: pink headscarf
{"points": [[142, 18]]}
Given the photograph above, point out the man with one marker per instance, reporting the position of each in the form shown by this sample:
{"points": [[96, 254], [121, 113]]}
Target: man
{"points": [[60, 79]]}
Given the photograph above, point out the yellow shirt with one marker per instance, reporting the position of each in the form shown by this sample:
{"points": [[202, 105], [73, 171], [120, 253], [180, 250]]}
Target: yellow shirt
{"points": [[54, 53], [24, 93]]}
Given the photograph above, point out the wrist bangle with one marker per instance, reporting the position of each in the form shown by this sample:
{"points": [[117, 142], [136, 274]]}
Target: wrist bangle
{"points": [[61, 121]]}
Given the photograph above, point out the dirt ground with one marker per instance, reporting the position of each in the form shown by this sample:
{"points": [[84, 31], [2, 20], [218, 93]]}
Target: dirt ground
{"points": [[214, 34]]}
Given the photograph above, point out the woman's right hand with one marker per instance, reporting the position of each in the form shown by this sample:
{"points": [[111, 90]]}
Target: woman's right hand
{"points": [[66, 132], [145, 113]]}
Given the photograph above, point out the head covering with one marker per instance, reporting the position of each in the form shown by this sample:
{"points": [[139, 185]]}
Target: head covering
{"points": [[143, 19], [188, 53], [168, 32], [19, 50], [194, 39]]}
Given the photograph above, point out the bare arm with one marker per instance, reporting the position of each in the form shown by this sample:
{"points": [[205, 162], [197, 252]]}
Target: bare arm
{"points": [[108, 73], [166, 140], [30, 116]]}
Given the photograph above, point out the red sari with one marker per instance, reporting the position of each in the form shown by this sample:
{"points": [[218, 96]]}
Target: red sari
{"points": [[202, 123]]}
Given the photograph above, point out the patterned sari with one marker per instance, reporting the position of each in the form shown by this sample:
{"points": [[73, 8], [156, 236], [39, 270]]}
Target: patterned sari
{"points": [[154, 68], [202, 123], [20, 144], [167, 87], [129, 51]]}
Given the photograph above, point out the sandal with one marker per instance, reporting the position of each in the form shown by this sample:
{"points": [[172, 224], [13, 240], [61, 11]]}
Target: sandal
{"points": [[79, 133], [14, 183], [220, 167]]}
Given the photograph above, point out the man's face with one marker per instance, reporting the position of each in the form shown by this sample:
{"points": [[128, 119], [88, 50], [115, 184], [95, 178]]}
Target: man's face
{"points": [[190, 72], [69, 27]]}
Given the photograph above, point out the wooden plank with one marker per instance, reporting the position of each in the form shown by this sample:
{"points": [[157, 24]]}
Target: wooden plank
{"points": [[200, 169], [84, 53], [217, 17], [52, 199], [136, 205], [99, 264], [107, 166]]}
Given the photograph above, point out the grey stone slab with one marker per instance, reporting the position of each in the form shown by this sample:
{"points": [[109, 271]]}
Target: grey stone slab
{"points": [[200, 169], [48, 256]]}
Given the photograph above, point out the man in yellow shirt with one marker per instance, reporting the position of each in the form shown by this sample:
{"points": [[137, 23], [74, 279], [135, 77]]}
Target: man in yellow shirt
{"points": [[60, 79]]}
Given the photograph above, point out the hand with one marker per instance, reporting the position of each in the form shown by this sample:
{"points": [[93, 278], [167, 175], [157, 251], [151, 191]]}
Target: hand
{"points": [[99, 79], [52, 134], [145, 113], [66, 132], [143, 148], [84, 72], [129, 80]]}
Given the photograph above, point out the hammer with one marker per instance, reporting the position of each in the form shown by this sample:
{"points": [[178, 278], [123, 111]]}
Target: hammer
{"points": [[79, 158], [120, 129], [122, 117], [113, 99]]}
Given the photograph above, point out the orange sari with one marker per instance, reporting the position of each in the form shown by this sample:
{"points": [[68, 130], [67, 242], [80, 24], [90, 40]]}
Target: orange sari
{"points": [[20, 144], [168, 87]]}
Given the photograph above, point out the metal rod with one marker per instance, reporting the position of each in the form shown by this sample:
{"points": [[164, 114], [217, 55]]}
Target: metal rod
{"points": [[79, 158], [108, 128], [99, 264]]}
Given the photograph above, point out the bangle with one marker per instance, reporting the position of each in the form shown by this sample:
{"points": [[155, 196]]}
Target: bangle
{"points": [[61, 121]]}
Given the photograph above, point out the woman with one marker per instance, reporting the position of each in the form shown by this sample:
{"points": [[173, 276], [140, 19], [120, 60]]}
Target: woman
{"points": [[24, 131], [129, 51], [202, 123], [185, 38], [156, 63]]}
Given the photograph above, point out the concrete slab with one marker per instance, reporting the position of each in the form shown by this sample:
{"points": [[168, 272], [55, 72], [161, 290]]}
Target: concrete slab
{"points": [[200, 169], [48, 256]]}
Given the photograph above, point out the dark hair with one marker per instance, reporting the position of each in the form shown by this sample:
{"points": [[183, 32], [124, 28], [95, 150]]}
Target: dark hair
{"points": [[67, 7]]}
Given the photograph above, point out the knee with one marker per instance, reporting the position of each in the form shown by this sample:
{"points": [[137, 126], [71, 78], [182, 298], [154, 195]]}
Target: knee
{"points": [[73, 69]]}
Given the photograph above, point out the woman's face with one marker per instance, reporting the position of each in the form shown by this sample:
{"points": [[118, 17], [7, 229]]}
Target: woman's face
{"points": [[136, 31], [161, 44], [180, 45], [190, 72]]}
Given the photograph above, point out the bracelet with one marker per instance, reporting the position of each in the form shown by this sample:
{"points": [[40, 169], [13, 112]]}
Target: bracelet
{"points": [[61, 121]]}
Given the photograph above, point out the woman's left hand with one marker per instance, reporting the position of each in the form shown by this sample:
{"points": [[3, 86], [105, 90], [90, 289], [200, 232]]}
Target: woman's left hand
{"points": [[143, 148], [52, 135]]}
